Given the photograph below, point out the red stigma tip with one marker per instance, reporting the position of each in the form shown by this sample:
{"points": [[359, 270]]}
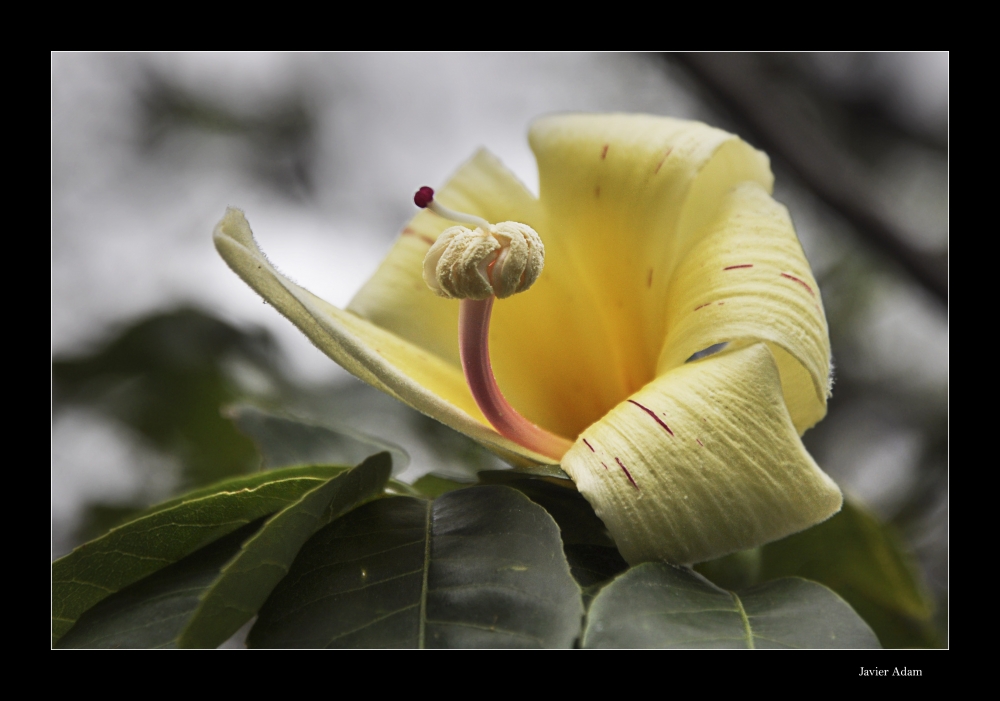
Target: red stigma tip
{"points": [[424, 197]]}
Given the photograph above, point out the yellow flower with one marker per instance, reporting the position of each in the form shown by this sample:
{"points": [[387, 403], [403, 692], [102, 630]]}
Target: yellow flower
{"points": [[661, 240]]}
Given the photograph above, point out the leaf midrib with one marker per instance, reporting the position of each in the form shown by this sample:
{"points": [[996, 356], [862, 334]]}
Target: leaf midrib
{"points": [[748, 633], [423, 585]]}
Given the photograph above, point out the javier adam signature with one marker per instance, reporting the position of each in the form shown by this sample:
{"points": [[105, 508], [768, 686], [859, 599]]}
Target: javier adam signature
{"points": [[896, 672]]}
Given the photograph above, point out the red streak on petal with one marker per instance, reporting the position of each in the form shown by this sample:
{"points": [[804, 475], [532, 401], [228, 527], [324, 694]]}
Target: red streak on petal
{"points": [[699, 442], [656, 418], [649, 278], [589, 445], [721, 303], [660, 164], [804, 284], [626, 473], [702, 305], [604, 152], [605, 466], [734, 267]]}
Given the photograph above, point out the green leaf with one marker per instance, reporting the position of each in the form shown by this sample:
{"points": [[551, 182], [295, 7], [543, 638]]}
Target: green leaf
{"points": [[592, 555], [593, 565], [577, 520], [245, 583], [477, 567], [284, 441], [656, 605], [152, 612], [205, 598], [551, 471], [737, 570], [433, 486], [167, 533], [864, 561]]}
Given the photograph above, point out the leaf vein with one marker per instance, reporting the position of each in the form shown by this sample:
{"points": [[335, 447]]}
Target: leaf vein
{"points": [[422, 619], [491, 629], [334, 594], [327, 565], [491, 585], [746, 621], [371, 623]]}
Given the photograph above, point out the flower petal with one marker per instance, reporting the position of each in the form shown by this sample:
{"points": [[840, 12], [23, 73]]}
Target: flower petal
{"points": [[624, 198], [657, 219], [746, 279], [702, 462], [394, 365]]}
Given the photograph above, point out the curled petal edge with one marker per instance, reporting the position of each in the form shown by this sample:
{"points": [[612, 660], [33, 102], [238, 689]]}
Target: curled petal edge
{"points": [[701, 462]]}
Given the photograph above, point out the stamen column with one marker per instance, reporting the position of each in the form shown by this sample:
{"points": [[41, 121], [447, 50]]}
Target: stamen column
{"points": [[494, 260], [474, 347]]}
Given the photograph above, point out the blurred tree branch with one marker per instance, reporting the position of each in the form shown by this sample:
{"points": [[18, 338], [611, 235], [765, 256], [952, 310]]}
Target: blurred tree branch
{"points": [[776, 121]]}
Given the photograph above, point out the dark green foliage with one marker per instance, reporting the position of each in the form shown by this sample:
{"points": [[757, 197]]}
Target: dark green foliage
{"points": [[153, 612], [434, 486], [855, 555], [205, 597], [660, 606], [591, 552], [168, 533], [864, 561], [477, 567]]}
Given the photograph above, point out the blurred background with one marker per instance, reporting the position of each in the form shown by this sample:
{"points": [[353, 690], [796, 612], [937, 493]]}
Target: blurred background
{"points": [[153, 336]]}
